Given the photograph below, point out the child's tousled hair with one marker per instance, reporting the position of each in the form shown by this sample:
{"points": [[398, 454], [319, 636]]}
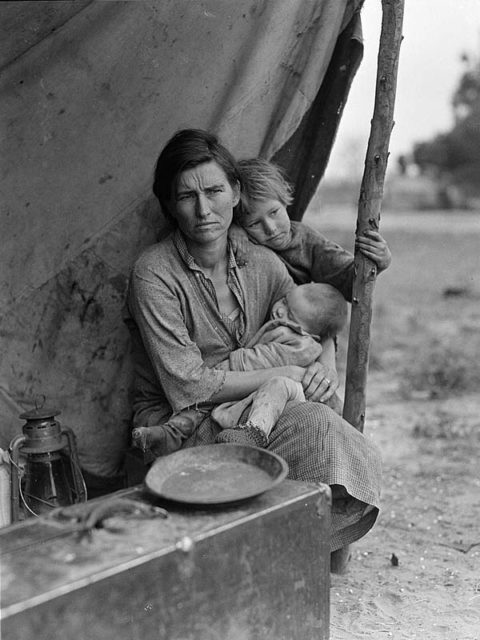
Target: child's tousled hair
{"points": [[262, 180]]}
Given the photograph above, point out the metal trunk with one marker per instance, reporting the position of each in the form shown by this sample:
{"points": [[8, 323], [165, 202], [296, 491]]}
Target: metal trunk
{"points": [[259, 570]]}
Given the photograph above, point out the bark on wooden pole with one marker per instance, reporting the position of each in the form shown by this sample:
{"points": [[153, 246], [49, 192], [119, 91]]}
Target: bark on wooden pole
{"points": [[369, 204], [371, 193]]}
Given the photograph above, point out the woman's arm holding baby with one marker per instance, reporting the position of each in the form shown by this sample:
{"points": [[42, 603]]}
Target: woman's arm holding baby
{"points": [[238, 384], [320, 377], [320, 380]]}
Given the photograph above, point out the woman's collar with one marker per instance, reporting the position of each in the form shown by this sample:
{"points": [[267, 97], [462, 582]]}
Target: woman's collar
{"points": [[181, 245]]}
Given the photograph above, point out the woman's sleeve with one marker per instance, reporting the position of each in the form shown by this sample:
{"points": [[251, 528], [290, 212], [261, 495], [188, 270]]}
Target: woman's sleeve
{"points": [[176, 359]]}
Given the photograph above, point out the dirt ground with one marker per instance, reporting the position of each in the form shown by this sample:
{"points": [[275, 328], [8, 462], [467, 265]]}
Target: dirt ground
{"points": [[417, 573]]}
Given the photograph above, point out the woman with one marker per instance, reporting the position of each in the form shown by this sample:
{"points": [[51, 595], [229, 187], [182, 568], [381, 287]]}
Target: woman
{"points": [[191, 306]]}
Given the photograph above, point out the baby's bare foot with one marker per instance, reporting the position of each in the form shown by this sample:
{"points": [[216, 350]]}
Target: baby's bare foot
{"points": [[148, 439]]}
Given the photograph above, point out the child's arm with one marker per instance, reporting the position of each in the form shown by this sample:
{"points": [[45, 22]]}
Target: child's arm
{"points": [[373, 246], [240, 244]]}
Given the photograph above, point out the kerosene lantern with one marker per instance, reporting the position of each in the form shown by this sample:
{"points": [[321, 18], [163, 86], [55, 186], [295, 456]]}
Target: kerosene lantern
{"points": [[50, 476]]}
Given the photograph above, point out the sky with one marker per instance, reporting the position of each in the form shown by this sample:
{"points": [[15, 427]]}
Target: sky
{"points": [[436, 33]]}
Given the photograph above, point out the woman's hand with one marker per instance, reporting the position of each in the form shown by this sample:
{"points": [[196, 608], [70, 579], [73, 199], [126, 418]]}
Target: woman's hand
{"points": [[319, 382], [374, 247], [240, 244]]}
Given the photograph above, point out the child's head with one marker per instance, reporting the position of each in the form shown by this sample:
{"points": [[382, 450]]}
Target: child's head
{"points": [[263, 205], [318, 308]]}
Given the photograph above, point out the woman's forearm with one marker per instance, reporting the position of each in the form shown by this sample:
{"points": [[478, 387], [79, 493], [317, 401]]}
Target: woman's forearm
{"points": [[328, 356], [239, 384]]}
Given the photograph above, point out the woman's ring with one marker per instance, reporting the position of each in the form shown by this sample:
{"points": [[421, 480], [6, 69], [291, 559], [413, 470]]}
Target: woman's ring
{"points": [[329, 382]]}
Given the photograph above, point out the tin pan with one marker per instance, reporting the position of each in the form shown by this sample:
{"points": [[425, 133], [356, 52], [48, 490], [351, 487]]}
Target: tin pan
{"points": [[215, 474]]}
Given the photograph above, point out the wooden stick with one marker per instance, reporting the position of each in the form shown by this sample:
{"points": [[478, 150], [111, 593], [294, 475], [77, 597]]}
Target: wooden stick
{"points": [[371, 193]]}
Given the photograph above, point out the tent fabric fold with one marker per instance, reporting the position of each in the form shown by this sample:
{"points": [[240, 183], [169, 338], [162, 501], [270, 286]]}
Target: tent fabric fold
{"points": [[90, 92]]}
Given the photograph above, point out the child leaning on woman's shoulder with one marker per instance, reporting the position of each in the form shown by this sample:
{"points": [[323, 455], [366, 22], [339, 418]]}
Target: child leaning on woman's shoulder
{"points": [[309, 255]]}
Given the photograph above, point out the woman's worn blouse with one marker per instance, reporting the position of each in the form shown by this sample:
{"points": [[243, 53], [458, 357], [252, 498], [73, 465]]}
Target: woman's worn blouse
{"points": [[179, 334], [310, 256]]}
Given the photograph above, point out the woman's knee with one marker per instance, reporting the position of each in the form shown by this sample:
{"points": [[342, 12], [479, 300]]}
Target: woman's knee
{"points": [[312, 417], [317, 413]]}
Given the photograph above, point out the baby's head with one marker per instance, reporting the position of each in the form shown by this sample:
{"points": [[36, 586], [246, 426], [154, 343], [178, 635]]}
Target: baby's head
{"points": [[318, 308], [265, 195]]}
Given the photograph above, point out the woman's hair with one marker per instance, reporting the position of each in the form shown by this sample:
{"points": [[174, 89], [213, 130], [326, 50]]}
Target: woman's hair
{"points": [[324, 310], [262, 180], [187, 149]]}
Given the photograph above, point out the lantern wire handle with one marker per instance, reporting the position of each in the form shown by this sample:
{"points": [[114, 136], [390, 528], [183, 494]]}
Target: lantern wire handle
{"points": [[12, 461], [84, 486], [20, 490], [19, 479], [23, 499], [49, 504]]}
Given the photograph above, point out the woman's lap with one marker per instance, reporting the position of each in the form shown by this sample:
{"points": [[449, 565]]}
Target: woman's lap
{"points": [[319, 446]]}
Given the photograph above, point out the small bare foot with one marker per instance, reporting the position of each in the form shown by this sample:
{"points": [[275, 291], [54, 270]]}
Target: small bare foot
{"points": [[148, 439]]}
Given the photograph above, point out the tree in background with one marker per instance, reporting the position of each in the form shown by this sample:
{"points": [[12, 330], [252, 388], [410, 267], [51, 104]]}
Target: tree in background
{"points": [[454, 157]]}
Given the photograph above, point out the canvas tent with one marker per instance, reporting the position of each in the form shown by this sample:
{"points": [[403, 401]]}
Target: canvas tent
{"points": [[90, 92]]}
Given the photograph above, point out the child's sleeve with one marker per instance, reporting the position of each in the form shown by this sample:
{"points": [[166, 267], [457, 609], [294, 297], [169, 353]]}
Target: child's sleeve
{"points": [[313, 257]]}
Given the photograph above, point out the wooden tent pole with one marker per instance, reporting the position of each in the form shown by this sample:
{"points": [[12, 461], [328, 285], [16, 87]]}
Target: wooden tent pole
{"points": [[370, 200]]}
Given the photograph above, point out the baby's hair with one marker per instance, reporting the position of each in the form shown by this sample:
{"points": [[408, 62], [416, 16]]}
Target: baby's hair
{"points": [[326, 310], [262, 180]]}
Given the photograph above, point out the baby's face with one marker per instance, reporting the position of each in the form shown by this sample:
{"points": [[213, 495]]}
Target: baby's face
{"points": [[268, 223], [291, 307]]}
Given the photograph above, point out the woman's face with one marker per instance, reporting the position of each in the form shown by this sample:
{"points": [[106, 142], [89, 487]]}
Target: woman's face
{"points": [[268, 223], [203, 202]]}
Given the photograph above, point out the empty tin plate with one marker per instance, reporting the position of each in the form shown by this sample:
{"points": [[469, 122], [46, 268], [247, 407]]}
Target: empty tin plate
{"points": [[215, 474]]}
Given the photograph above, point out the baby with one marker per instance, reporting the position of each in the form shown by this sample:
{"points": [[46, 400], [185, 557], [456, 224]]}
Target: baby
{"points": [[315, 309], [310, 310]]}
